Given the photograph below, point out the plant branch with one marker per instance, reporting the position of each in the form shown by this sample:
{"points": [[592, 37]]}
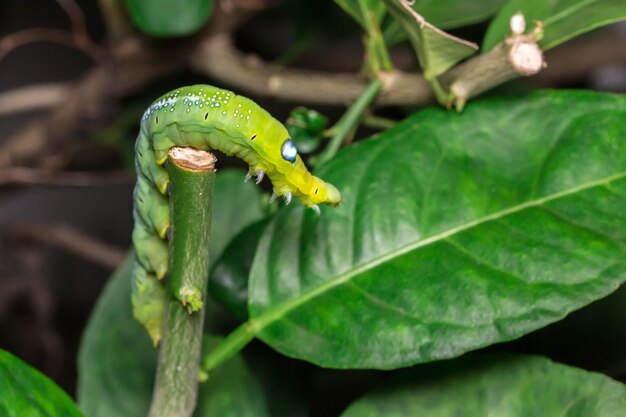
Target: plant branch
{"points": [[32, 97], [76, 16], [518, 55], [72, 241], [79, 41], [219, 59], [37, 176], [192, 175]]}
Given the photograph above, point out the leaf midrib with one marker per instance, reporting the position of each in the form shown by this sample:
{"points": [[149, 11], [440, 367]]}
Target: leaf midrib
{"points": [[271, 315]]}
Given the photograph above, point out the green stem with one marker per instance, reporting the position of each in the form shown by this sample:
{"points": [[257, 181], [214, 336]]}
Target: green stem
{"points": [[192, 174], [377, 122], [350, 119], [233, 343]]}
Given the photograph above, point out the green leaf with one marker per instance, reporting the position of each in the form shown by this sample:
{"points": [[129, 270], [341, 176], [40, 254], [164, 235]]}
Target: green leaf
{"points": [[456, 231], [306, 127], [495, 385], [562, 19], [236, 205], [446, 14], [437, 51], [232, 390], [164, 18], [228, 282], [117, 365], [359, 10], [25, 392], [116, 361]]}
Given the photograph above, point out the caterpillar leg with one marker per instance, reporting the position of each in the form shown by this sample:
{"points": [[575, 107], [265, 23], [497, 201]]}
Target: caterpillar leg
{"points": [[146, 164], [152, 207], [148, 300], [151, 250]]}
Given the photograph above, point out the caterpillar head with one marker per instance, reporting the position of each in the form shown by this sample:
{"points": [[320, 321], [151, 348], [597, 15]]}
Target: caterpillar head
{"points": [[323, 193]]}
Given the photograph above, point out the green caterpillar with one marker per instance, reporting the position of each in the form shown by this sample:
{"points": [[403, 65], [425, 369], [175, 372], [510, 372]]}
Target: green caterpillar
{"points": [[205, 117]]}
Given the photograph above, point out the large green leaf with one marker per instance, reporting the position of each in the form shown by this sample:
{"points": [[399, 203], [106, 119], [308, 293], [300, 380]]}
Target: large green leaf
{"points": [[169, 18], [456, 231], [117, 365], [562, 19], [25, 392], [495, 386], [446, 14]]}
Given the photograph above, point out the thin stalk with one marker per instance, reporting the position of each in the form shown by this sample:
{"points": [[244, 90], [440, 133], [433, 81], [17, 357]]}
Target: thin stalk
{"points": [[232, 344], [192, 175], [378, 122], [351, 119]]}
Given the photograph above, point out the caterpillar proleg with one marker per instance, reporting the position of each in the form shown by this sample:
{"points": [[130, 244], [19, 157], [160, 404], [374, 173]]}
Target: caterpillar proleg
{"points": [[206, 117]]}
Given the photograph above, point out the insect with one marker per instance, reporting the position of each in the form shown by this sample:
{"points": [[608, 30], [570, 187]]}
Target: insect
{"points": [[206, 117]]}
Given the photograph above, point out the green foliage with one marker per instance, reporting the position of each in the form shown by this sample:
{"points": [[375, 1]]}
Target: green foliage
{"points": [[306, 127], [436, 50], [495, 385], [228, 282], [117, 365], [239, 205], [24, 392], [456, 232], [361, 9], [445, 14], [562, 19], [164, 18], [232, 390]]}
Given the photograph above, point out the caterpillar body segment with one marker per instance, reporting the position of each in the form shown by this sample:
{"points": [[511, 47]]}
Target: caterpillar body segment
{"points": [[206, 117], [148, 299]]}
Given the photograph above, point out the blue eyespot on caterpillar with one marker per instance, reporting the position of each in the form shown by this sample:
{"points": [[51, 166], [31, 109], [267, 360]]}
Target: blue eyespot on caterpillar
{"points": [[205, 117]]}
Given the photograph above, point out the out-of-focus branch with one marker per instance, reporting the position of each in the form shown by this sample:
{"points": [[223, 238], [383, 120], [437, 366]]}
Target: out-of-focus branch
{"points": [[72, 241], [10, 42], [76, 16], [33, 97], [566, 62], [115, 19], [35, 176], [219, 59]]}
